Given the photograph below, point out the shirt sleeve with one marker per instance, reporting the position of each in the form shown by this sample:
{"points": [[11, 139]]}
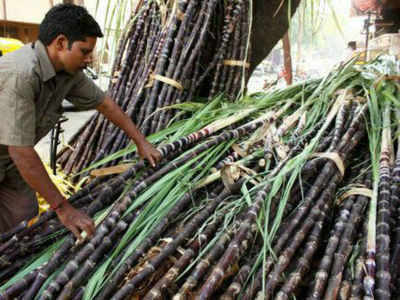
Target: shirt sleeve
{"points": [[17, 107], [85, 94]]}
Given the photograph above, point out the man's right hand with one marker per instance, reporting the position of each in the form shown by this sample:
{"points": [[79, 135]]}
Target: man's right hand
{"points": [[75, 220]]}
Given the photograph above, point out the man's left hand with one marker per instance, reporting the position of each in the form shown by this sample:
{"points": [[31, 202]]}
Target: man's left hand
{"points": [[149, 152]]}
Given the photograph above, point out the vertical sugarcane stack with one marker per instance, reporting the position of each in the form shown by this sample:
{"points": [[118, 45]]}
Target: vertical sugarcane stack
{"points": [[171, 53]]}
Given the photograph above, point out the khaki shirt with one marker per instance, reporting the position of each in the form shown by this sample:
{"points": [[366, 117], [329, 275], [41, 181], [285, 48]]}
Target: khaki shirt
{"points": [[31, 93]]}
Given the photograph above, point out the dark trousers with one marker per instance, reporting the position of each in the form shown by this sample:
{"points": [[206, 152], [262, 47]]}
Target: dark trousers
{"points": [[17, 201]]}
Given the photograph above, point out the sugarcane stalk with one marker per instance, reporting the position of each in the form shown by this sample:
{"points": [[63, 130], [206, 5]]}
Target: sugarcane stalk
{"points": [[383, 218], [171, 247], [287, 254], [324, 268], [345, 287], [107, 242], [230, 22], [357, 288], [160, 288], [304, 261], [237, 284], [198, 35], [202, 267]]}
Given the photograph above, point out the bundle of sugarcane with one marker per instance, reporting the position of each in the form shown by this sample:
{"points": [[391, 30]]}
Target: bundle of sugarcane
{"points": [[169, 54], [253, 228]]}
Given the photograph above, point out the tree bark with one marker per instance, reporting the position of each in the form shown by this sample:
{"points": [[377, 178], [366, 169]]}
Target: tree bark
{"points": [[287, 59], [77, 2], [270, 23]]}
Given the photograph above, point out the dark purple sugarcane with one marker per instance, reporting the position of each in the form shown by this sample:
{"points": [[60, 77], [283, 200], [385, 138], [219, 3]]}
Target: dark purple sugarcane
{"points": [[226, 32], [235, 55], [97, 254], [129, 52], [240, 242], [237, 246], [395, 259], [346, 243], [333, 242], [383, 241], [348, 143], [230, 22], [196, 40], [357, 284], [286, 255], [135, 73], [50, 225], [73, 265], [152, 265], [12, 269], [19, 287], [383, 276], [115, 134], [183, 28], [341, 117], [64, 158], [304, 261], [130, 35], [80, 144], [220, 78], [345, 286], [160, 69], [203, 265], [236, 85], [161, 287], [236, 286], [62, 253], [137, 27], [334, 283], [140, 58], [151, 239], [65, 152], [235, 250], [88, 147]]}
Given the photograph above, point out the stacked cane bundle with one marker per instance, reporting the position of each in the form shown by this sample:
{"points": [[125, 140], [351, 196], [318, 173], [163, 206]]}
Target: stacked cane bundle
{"points": [[293, 200], [170, 53]]}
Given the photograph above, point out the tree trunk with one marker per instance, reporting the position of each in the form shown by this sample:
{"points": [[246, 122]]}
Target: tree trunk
{"points": [[287, 59], [270, 23], [77, 2]]}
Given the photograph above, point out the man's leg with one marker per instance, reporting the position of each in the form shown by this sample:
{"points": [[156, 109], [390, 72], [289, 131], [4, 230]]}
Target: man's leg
{"points": [[17, 201]]}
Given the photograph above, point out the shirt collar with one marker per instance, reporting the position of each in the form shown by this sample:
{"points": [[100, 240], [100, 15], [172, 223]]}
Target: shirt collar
{"points": [[46, 67]]}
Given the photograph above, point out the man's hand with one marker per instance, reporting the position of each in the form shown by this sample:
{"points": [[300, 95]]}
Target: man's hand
{"points": [[114, 113], [75, 220], [147, 151], [32, 170]]}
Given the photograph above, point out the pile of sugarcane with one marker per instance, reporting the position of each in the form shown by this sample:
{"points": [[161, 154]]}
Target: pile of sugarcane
{"points": [[293, 193], [170, 53]]}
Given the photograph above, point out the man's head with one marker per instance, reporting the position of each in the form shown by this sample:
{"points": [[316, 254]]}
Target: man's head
{"points": [[70, 33]]}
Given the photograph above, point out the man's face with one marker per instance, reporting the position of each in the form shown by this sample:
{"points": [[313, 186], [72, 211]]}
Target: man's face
{"points": [[78, 56]]}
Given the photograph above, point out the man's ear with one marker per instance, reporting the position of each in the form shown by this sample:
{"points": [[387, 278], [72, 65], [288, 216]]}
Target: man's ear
{"points": [[61, 42]]}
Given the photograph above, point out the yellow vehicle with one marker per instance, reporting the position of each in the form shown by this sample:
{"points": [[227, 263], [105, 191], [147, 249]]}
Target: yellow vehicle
{"points": [[9, 45]]}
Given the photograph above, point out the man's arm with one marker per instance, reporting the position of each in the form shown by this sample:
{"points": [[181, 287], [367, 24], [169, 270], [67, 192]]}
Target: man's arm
{"points": [[115, 114], [33, 172]]}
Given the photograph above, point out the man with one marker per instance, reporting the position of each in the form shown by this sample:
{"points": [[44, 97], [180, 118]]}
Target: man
{"points": [[34, 80]]}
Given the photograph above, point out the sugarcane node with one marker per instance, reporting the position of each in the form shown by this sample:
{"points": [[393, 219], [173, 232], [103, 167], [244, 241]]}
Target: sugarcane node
{"points": [[236, 63], [335, 157]]}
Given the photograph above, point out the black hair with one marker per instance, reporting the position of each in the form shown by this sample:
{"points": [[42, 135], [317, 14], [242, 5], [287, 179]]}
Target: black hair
{"points": [[71, 20]]}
